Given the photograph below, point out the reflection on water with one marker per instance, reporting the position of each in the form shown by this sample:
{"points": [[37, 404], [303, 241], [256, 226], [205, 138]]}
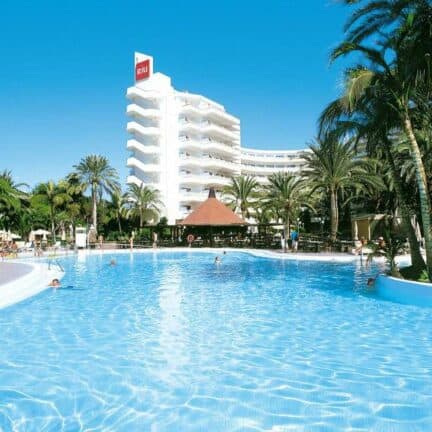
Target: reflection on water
{"points": [[171, 342]]}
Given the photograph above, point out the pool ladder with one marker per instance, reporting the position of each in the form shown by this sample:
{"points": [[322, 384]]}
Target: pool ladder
{"points": [[55, 261]]}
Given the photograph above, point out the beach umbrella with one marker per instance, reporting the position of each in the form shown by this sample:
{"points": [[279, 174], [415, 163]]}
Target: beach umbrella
{"points": [[41, 232], [7, 235]]}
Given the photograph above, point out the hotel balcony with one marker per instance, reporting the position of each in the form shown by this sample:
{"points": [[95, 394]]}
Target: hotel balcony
{"points": [[136, 93], [210, 112], [209, 129], [209, 162], [135, 145], [138, 111], [204, 179], [189, 197], [133, 162], [136, 128], [273, 157], [267, 170], [213, 146], [132, 179]]}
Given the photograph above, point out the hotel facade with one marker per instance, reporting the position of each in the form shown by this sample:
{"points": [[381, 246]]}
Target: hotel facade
{"points": [[182, 144]]}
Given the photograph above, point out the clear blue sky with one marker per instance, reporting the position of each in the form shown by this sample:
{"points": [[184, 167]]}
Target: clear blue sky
{"points": [[65, 67]]}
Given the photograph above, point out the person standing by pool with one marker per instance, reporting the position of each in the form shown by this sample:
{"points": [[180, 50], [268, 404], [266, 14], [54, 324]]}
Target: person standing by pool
{"points": [[294, 240]]}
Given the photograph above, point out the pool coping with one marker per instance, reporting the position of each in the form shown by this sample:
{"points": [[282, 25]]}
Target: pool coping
{"points": [[262, 253], [403, 290], [28, 284]]}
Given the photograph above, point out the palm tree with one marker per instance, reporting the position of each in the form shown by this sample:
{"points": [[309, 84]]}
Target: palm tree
{"points": [[10, 201], [241, 193], [287, 194], [334, 169], [95, 172], [118, 201], [399, 72], [370, 121], [13, 202], [54, 197], [144, 202]]}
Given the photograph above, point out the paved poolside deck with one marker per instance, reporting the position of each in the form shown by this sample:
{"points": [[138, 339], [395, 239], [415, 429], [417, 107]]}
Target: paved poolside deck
{"points": [[11, 271]]}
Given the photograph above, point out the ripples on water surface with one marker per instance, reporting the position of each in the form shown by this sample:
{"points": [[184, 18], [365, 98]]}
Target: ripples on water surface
{"points": [[171, 342]]}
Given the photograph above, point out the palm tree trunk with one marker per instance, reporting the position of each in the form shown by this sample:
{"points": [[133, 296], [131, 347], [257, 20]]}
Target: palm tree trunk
{"points": [[141, 217], [119, 224], [53, 224], [334, 220], [286, 232], [94, 212], [425, 206], [417, 260]]}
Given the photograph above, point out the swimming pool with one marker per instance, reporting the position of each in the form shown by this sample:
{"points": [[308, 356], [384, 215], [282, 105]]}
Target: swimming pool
{"points": [[171, 342]]}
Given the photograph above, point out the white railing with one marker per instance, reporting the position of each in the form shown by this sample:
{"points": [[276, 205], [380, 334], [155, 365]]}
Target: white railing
{"points": [[146, 149], [207, 161], [253, 170], [133, 92], [209, 111], [145, 167], [134, 127], [143, 112], [193, 196], [204, 179], [134, 179], [208, 146], [208, 128]]}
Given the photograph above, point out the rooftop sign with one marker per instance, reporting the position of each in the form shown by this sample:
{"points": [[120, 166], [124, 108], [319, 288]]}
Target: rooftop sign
{"points": [[142, 70]]}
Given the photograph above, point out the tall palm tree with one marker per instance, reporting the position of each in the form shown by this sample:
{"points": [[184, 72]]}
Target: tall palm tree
{"points": [[144, 202], [118, 201], [241, 194], [399, 72], [334, 169], [287, 194], [95, 172], [370, 121], [54, 197]]}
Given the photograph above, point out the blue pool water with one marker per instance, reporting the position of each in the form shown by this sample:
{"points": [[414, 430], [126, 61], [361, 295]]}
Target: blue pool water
{"points": [[171, 342]]}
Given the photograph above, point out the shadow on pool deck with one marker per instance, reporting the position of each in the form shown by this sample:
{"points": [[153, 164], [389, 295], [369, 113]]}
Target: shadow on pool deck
{"points": [[10, 271]]}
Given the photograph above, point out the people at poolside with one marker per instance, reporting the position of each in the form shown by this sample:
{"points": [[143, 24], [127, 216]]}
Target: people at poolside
{"points": [[294, 240], [361, 244], [155, 240], [55, 283], [381, 243], [14, 249]]}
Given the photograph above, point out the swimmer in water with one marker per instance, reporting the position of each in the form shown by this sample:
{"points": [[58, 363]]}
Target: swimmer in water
{"points": [[371, 282], [55, 283], [113, 263], [217, 260]]}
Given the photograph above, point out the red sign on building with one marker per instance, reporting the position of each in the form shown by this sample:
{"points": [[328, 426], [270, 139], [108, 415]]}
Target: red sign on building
{"points": [[142, 70]]}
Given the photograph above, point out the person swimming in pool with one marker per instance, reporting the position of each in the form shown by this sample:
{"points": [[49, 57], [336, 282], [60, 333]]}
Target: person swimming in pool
{"points": [[113, 263], [217, 260], [55, 283]]}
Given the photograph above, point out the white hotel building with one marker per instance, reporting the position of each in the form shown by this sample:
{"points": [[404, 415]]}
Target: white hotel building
{"points": [[182, 143]]}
